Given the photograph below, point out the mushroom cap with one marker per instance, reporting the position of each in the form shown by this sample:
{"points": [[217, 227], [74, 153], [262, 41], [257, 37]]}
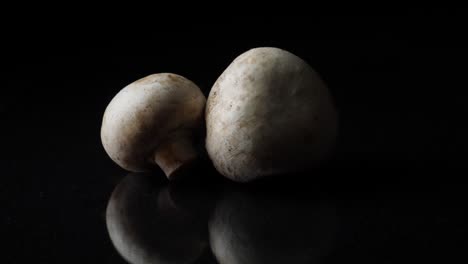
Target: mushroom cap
{"points": [[268, 113], [145, 114]]}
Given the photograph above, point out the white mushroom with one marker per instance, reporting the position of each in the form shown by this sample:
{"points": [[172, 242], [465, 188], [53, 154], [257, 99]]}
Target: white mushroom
{"points": [[151, 121], [268, 113]]}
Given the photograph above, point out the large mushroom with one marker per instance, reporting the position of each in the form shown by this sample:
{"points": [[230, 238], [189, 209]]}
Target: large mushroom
{"points": [[269, 113], [152, 121]]}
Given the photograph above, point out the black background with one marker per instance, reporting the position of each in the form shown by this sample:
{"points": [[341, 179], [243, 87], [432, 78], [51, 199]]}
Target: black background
{"points": [[398, 82]]}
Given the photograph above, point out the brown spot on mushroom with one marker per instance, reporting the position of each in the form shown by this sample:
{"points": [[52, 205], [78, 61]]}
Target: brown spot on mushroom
{"points": [[243, 123], [210, 103], [175, 78]]}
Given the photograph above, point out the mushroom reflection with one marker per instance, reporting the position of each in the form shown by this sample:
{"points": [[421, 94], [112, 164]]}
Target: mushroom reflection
{"points": [[262, 228], [146, 226]]}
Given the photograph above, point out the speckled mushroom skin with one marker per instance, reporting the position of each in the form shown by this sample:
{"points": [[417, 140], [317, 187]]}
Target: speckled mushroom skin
{"points": [[152, 120], [268, 113]]}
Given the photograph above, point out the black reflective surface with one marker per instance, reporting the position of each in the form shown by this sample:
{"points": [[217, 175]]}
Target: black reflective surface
{"points": [[146, 225], [393, 192], [151, 221]]}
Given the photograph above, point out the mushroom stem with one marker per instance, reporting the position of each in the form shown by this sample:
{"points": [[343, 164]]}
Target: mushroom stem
{"points": [[174, 153]]}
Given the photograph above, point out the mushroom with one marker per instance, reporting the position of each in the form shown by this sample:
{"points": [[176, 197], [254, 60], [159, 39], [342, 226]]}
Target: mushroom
{"points": [[152, 121], [269, 113]]}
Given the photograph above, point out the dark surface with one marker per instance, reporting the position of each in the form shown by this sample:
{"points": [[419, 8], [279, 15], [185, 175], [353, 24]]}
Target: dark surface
{"points": [[394, 191]]}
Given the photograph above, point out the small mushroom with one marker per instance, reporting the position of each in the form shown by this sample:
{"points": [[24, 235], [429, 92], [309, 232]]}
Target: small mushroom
{"points": [[269, 113], [152, 121]]}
